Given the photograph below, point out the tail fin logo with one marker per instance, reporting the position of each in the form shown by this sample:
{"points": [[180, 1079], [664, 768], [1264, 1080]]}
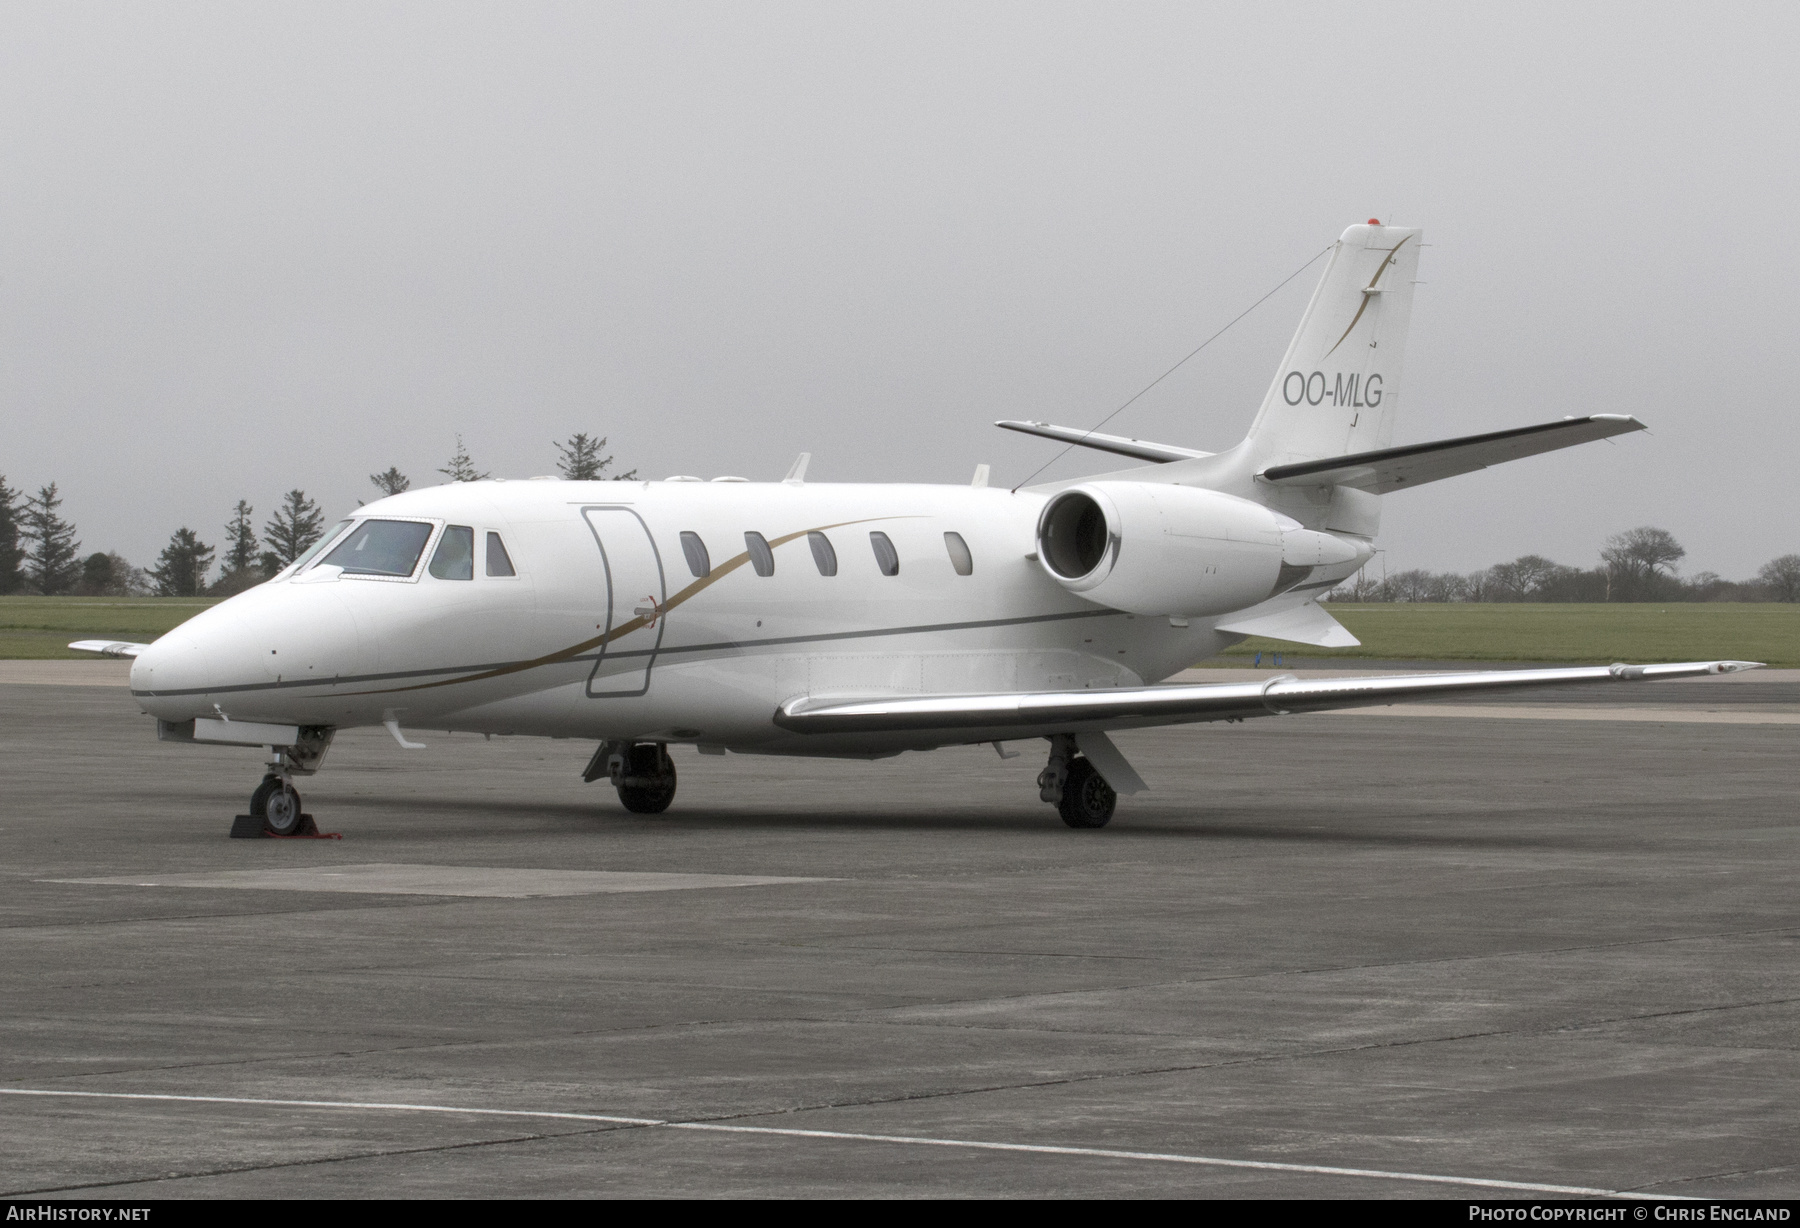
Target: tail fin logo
{"points": [[1369, 292]]}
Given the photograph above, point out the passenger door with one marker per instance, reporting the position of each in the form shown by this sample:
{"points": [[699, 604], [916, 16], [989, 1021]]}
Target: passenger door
{"points": [[632, 604]]}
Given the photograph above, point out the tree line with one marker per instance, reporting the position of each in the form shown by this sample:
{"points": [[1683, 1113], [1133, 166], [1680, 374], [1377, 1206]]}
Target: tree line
{"points": [[1639, 564], [40, 551]]}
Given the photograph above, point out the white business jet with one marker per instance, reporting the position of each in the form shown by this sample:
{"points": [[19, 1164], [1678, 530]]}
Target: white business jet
{"points": [[856, 621]]}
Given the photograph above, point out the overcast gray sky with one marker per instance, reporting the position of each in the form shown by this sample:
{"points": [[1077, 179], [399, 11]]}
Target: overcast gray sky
{"points": [[246, 247]]}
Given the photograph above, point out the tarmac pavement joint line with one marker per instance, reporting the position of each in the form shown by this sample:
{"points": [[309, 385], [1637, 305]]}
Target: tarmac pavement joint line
{"points": [[909, 1140]]}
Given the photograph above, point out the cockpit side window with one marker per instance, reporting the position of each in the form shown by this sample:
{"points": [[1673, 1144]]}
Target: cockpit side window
{"points": [[312, 551], [698, 561], [499, 562], [454, 558], [381, 548]]}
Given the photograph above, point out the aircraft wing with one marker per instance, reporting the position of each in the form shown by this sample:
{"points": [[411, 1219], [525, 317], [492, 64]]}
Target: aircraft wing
{"points": [[1032, 714], [1395, 468], [109, 648], [1137, 449]]}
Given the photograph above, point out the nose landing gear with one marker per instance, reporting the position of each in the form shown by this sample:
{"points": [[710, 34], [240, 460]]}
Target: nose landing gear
{"points": [[643, 774], [277, 803]]}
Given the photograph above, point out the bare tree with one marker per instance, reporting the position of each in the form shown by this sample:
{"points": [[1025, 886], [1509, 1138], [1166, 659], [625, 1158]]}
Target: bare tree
{"points": [[1520, 579], [1637, 559], [1782, 576]]}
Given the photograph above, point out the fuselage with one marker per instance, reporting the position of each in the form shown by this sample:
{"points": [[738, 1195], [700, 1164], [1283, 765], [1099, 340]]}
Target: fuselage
{"points": [[640, 611]]}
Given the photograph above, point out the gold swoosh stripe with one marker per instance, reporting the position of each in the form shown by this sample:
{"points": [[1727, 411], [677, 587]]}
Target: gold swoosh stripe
{"points": [[626, 628], [1385, 262]]}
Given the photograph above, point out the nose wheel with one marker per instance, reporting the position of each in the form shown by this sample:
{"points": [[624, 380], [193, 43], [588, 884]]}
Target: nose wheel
{"points": [[277, 803]]}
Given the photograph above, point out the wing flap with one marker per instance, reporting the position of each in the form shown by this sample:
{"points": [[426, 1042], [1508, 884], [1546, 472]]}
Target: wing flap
{"points": [[1391, 469], [1033, 714], [1302, 624]]}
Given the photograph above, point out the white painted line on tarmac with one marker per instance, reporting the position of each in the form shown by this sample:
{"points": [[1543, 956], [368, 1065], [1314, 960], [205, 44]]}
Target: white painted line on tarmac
{"points": [[905, 1140]]}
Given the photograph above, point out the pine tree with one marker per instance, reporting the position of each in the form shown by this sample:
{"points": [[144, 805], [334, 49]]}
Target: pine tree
{"points": [[51, 566], [96, 576], [297, 524], [11, 578], [181, 568], [243, 565], [394, 482], [461, 468], [581, 460]]}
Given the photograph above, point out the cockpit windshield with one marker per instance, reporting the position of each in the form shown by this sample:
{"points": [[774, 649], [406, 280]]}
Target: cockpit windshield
{"points": [[380, 548]]}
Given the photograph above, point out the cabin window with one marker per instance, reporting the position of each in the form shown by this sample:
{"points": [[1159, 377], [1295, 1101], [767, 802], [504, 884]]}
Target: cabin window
{"points": [[499, 562], [699, 562], [454, 558], [885, 556], [761, 557], [381, 548], [960, 558], [823, 554]]}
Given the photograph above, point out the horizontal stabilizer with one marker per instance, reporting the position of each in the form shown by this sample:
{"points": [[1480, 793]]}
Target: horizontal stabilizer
{"points": [[1137, 449], [1394, 468], [109, 648], [1304, 624], [984, 718]]}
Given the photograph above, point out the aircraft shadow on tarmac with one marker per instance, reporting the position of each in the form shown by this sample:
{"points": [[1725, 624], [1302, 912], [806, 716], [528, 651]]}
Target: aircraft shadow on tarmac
{"points": [[1352, 829]]}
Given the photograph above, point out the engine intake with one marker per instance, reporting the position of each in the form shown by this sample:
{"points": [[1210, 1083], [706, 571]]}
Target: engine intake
{"points": [[1151, 548]]}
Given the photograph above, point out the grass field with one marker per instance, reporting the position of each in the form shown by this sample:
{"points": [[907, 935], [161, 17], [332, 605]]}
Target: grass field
{"points": [[1561, 633], [39, 627]]}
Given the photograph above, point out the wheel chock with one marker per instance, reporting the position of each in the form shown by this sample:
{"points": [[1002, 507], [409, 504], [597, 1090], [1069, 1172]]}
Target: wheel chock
{"points": [[251, 827]]}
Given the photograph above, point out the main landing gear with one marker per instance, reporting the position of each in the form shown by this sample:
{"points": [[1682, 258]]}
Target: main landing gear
{"points": [[643, 774], [1069, 782]]}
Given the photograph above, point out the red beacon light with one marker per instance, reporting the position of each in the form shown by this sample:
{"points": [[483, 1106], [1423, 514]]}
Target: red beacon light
{"points": [[1374, 221]]}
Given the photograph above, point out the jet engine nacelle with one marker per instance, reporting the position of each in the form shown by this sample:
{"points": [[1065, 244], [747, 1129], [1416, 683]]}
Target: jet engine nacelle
{"points": [[1149, 548]]}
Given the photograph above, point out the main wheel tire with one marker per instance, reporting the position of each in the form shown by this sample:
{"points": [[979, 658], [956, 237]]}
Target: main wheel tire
{"points": [[653, 775], [281, 812], [1087, 799], [259, 800]]}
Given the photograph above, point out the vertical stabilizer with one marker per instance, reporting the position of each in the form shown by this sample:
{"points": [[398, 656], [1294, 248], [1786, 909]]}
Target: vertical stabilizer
{"points": [[1338, 387]]}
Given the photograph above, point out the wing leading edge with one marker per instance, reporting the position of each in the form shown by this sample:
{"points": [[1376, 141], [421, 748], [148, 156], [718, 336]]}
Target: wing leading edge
{"points": [[1415, 464], [109, 648], [1031, 714]]}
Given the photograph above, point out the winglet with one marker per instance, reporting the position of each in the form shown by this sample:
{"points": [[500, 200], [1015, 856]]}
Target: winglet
{"points": [[796, 474]]}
